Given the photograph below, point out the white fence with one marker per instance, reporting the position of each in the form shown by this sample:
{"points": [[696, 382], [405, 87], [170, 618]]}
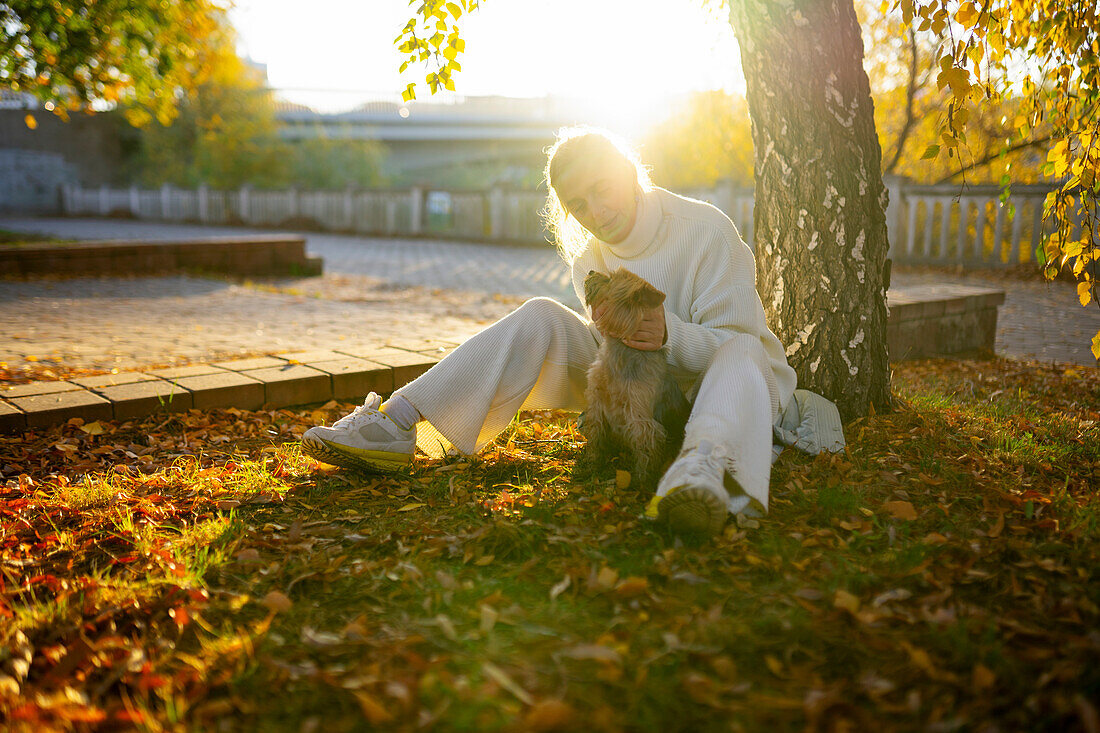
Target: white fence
{"points": [[942, 224]]}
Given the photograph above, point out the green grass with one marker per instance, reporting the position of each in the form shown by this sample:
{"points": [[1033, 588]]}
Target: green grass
{"points": [[259, 590]]}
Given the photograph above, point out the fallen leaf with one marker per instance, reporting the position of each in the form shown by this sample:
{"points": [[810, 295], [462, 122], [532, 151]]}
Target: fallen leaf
{"points": [[549, 715], [593, 651], [499, 676], [900, 509], [410, 507], [373, 710], [983, 677], [622, 479], [632, 586], [489, 617], [846, 601], [775, 666], [93, 428], [998, 527], [277, 601], [560, 587]]}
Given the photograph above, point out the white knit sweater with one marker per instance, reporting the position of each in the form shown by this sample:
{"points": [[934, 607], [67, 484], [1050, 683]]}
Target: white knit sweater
{"points": [[692, 252]]}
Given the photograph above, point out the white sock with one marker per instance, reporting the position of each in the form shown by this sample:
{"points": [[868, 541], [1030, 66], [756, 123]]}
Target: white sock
{"points": [[401, 411]]}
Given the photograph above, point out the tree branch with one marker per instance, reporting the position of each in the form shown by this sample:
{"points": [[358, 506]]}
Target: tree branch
{"points": [[993, 156], [910, 95]]}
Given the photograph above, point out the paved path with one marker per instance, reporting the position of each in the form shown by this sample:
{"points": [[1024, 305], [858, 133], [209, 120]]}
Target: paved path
{"points": [[375, 290]]}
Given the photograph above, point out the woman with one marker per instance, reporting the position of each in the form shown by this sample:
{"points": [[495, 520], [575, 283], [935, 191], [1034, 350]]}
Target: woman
{"points": [[605, 214]]}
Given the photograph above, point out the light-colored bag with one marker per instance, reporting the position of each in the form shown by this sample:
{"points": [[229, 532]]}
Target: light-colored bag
{"points": [[809, 423]]}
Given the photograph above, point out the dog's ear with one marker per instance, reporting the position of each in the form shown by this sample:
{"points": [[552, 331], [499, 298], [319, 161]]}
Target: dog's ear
{"points": [[594, 284], [648, 296]]}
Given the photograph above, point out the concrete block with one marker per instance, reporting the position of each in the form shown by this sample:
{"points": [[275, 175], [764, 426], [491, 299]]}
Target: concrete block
{"points": [[933, 308], [353, 379], [145, 398], [195, 370], [244, 365], [406, 366], [952, 305], [44, 410], [223, 389], [905, 310], [113, 380], [292, 384], [36, 388], [12, 419]]}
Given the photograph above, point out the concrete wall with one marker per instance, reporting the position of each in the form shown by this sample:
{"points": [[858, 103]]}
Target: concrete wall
{"points": [[33, 163]]}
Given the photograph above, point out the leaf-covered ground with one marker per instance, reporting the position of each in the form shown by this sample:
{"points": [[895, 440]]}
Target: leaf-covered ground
{"points": [[197, 572]]}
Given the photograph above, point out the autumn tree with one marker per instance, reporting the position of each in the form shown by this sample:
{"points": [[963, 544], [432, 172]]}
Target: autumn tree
{"points": [[902, 64], [709, 139], [77, 54], [1046, 54]]}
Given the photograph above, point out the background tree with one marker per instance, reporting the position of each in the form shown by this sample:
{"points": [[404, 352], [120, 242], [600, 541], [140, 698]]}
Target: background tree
{"points": [[1046, 55], [225, 134], [708, 140], [901, 62], [73, 54]]}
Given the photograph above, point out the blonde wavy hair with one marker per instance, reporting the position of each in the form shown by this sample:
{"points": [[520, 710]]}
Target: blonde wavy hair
{"points": [[570, 144]]}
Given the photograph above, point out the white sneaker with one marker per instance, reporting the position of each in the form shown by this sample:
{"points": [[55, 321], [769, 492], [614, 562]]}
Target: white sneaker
{"points": [[365, 439], [692, 497]]}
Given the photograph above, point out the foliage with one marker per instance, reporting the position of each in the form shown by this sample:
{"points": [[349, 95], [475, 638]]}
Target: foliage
{"points": [[900, 64], [707, 141], [74, 54], [226, 135], [196, 568], [1045, 53], [433, 37], [225, 132]]}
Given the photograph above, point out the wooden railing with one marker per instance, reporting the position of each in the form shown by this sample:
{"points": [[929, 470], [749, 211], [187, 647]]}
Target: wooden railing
{"points": [[945, 224]]}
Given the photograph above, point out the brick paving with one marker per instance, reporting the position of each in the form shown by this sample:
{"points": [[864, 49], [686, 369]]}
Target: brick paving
{"points": [[375, 291]]}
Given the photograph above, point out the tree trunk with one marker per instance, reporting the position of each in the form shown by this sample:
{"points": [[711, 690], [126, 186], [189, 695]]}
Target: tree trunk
{"points": [[819, 218]]}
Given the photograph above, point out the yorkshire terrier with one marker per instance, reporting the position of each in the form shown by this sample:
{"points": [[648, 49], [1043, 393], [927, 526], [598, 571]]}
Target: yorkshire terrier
{"points": [[633, 402]]}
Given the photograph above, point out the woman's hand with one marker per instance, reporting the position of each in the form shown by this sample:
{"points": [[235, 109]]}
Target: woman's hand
{"points": [[650, 335]]}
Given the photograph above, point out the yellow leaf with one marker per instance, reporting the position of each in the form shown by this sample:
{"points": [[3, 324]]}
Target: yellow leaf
{"points": [[632, 586], [93, 428], [775, 666], [1084, 292], [410, 507], [983, 677], [607, 577], [622, 479], [372, 709], [846, 601], [900, 509], [31, 122], [967, 15], [1096, 346]]}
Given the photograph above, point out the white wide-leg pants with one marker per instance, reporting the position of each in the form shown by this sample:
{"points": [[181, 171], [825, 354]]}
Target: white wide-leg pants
{"points": [[537, 357]]}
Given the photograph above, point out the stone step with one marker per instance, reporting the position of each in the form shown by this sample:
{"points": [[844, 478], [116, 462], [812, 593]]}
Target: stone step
{"points": [[925, 321]]}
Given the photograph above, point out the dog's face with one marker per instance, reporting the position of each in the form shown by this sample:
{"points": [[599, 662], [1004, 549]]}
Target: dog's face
{"points": [[627, 297]]}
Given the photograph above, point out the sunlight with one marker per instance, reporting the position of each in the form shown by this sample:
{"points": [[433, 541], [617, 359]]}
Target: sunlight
{"points": [[625, 62]]}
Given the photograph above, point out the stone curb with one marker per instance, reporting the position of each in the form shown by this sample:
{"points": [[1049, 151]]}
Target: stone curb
{"points": [[924, 321], [265, 382], [257, 254]]}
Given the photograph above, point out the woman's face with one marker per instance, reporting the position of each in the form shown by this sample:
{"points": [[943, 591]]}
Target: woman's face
{"points": [[600, 197]]}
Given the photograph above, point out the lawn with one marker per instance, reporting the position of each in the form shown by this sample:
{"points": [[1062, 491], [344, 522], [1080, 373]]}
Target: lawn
{"points": [[197, 572]]}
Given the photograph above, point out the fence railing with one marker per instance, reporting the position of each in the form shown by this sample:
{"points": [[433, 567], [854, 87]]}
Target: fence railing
{"points": [[943, 224]]}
